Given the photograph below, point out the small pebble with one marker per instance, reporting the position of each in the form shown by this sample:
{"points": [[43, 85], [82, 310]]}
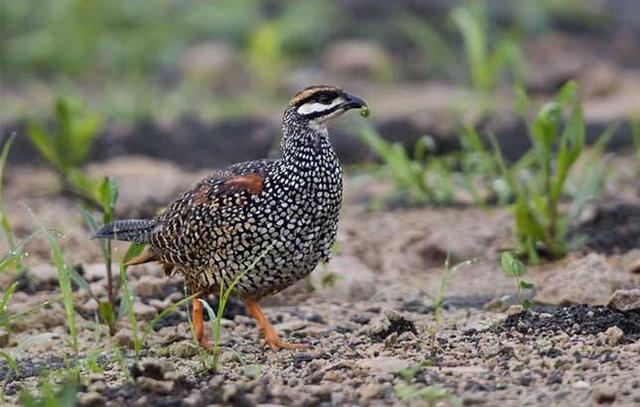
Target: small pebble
{"points": [[604, 394]]}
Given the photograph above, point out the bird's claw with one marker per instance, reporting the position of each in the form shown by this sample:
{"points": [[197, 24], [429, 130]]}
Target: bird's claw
{"points": [[275, 343], [205, 344]]}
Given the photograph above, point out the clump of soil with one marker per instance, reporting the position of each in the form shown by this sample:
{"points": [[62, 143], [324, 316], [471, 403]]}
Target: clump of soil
{"points": [[575, 320], [614, 229]]}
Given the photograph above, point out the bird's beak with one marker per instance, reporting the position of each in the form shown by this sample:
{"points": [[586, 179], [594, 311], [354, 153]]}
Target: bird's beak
{"points": [[353, 102]]}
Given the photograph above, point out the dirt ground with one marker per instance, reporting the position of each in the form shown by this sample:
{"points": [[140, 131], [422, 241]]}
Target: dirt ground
{"points": [[373, 335]]}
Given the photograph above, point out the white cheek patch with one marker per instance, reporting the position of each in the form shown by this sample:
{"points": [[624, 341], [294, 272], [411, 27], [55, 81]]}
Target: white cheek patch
{"points": [[315, 107]]}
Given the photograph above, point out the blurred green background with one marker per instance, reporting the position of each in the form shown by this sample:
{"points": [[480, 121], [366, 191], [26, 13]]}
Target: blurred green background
{"points": [[161, 61]]}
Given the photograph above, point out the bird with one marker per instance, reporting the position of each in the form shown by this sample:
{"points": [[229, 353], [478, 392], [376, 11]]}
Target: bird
{"points": [[262, 224]]}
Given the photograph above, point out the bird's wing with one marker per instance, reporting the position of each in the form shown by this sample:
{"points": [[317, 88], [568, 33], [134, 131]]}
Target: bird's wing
{"points": [[204, 216]]}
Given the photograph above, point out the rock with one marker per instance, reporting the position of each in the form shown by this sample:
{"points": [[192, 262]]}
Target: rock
{"points": [[97, 386], [600, 80], [150, 286], [474, 400], [613, 336], [383, 364], [92, 398], [154, 385], [42, 277], [359, 58], [96, 271], [396, 322], [370, 392], [356, 281], [291, 326], [589, 280], [514, 309], [625, 300], [124, 338], [390, 341], [581, 385], [416, 305], [4, 338], [183, 349], [89, 306], [192, 400], [496, 305], [631, 262], [333, 376], [361, 319], [604, 394], [144, 311], [159, 305]]}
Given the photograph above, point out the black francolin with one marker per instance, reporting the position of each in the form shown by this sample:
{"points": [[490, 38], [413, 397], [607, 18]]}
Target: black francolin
{"points": [[273, 220]]}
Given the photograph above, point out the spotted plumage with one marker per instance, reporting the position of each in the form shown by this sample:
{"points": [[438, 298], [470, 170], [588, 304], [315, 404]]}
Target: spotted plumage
{"points": [[273, 220]]}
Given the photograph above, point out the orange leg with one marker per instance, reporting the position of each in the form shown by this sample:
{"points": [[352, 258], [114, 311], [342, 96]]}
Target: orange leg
{"points": [[270, 334], [198, 323]]}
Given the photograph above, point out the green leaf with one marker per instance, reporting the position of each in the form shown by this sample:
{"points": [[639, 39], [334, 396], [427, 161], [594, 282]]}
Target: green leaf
{"points": [[526, 285], [511, 265], [252, 372], [107, 313], [80, 281], [7, 296], [93, 228], [527, 304], [108, 196], [3, 159], [567, 93], [133, 250], [42, 142]]}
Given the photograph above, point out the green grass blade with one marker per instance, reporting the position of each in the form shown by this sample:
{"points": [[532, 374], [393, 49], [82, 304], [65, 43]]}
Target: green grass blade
{"points": [[127, 301], [4, 219], [10, 361], [164, 313], [64, 282]]}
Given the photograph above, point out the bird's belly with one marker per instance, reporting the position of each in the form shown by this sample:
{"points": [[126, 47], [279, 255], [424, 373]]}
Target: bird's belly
{"points": [[283, 235]]}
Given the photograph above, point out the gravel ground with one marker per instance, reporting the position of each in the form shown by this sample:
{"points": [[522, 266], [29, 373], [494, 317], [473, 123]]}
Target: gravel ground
{"points": [[373, 334]]}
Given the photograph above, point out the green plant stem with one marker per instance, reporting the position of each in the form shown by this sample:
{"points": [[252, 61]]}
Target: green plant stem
{"points": [[110, 293]]}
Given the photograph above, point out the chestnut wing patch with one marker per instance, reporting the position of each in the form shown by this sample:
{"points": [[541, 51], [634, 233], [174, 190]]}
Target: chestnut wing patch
{"points": [[230, 184]]}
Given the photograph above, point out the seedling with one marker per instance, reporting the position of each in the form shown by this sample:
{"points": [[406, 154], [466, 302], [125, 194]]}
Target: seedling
{"points": [[365, 111], [128, 296], [68, 147], [107, 197], [486, 63], [538, 179], [431, 394], [64, 281], [50, 395], [514, 268], [216, 318], [410, 372], [446, 274], [410, 174], [4, 219]]}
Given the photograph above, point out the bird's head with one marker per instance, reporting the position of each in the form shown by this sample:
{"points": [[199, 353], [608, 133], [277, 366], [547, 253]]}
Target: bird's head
{"points": [[318, 104]]}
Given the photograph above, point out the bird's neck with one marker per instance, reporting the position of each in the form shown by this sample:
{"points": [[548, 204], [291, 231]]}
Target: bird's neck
{"points": [[305, 142]]}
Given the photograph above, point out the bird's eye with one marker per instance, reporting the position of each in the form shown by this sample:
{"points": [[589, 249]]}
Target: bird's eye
{"points": [[325, 98]]}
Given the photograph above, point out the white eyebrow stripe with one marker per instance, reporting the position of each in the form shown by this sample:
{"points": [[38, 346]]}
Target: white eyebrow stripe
{"points": [[314, 107]]}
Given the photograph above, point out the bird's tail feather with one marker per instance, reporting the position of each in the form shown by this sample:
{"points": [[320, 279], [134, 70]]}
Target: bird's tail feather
{"points": [[130, 230]]}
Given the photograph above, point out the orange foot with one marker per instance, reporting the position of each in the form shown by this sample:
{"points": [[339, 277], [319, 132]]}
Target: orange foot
{"points": [[271, 337], [198, 324]]}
